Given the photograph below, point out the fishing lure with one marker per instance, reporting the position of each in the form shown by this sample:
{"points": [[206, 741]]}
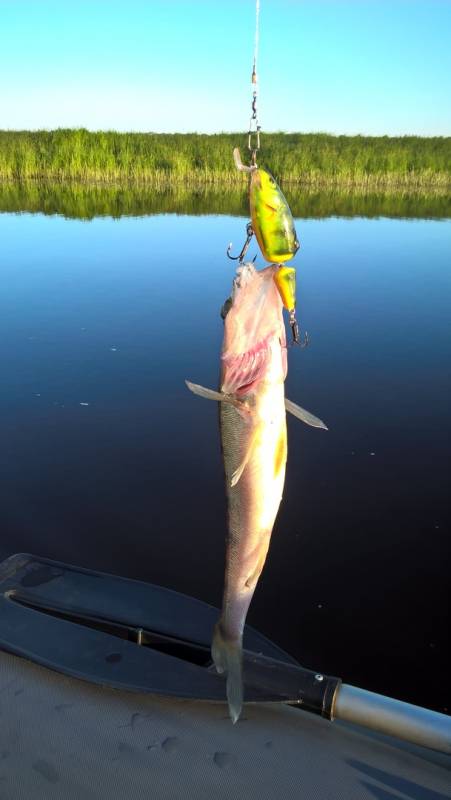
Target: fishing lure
{"points": [[271, 217], [272, 221], [273, 225]]}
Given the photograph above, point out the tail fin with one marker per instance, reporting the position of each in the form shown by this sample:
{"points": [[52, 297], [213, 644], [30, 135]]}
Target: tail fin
{"points": [[228, 656]]}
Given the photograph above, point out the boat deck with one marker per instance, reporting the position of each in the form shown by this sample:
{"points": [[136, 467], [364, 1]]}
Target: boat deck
{"points": [[65, 739]]}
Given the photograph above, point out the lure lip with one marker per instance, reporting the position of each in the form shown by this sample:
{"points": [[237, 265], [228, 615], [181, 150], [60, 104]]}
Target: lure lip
{"points": [[239, 164]]}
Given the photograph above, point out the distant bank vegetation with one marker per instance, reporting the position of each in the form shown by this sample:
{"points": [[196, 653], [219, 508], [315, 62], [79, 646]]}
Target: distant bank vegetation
{"points": [[83, 200], [314, 160]]}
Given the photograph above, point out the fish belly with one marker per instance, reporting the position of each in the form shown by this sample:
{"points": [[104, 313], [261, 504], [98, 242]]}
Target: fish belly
{"points": [[254, 501]]}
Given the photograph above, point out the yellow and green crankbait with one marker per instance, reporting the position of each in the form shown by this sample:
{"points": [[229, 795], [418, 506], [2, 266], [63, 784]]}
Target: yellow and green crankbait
{"points": [[272, 223], [271, 217]]}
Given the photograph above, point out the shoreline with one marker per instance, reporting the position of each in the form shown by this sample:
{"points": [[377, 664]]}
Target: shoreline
{"points": [[314, 160], [90, 199], [167, 181]]}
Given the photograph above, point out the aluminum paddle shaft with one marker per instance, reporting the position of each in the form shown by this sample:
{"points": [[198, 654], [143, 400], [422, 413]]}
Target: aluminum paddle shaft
{"points": [[393, 717]]}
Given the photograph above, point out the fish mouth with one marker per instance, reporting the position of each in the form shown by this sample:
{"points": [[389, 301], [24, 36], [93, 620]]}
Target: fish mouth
{"points": [[247, 388], [242, 372]]}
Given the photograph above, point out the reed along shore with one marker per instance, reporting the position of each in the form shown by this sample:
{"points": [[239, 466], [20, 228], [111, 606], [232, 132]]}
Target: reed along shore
{"points": [[309, 159], [86, 200]]}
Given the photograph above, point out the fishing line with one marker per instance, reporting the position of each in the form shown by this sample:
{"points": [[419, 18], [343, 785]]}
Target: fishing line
{"points": [[257, 35], [254, 127]]}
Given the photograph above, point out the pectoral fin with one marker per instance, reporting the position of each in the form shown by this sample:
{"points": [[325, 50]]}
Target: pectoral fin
{"points": [[210, 394], [303, 415]]}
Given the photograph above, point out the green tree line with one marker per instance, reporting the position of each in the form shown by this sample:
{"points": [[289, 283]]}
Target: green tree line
{"points": [[309, 159]]}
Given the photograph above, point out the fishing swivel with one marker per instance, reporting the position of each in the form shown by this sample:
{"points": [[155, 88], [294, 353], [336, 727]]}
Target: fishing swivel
{"points": [[240, 257]]}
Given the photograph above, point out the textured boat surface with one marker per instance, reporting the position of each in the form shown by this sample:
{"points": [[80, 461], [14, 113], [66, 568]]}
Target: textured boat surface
{"points": [[62, 738]]}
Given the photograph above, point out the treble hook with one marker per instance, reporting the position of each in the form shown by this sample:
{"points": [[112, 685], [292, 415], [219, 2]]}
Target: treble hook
{"points": [[246, 244], [296, 337]]}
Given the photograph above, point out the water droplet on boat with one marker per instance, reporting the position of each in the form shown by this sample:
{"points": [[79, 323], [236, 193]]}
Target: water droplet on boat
{"points": [[113, 658], [222, 760], [84, 404], [124, 747], [47, 770], [170, 745]]}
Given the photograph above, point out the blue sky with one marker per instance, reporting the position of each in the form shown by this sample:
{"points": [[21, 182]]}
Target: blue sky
{"points": [[342, 66]]}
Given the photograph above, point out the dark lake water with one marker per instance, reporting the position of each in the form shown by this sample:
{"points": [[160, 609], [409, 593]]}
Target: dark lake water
{"points": [[107, 461]]}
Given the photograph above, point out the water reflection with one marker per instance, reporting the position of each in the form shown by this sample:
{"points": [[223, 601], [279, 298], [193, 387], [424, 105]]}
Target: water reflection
{"points": [[107, 461], [86, 201]]}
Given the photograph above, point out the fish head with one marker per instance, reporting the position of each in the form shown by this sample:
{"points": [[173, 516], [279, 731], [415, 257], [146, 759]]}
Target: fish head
{"points": [[254, 344]]}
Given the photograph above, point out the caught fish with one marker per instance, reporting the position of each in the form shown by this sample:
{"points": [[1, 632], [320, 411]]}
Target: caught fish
{"points": [[272, 221], [254, 446]]}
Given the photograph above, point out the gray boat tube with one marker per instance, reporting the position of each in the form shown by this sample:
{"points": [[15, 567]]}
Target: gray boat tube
{"points": [[393, 717]]}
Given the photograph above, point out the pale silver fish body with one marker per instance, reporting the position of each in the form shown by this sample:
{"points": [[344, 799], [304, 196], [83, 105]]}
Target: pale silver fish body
{"points": [[254, 445], [253, 502]]}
